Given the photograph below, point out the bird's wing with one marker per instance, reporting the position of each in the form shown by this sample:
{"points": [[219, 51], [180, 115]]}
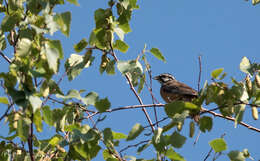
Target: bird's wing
{"points": [[179, 88]]}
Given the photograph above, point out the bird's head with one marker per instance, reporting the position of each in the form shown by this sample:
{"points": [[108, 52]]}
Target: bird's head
{"points": [[164, 78]]}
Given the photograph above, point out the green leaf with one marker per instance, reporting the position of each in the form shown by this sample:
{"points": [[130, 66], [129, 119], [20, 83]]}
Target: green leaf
{"points": [[236, 156], [23, 47], [125, 27], [64, 20], [255, 2], [218, 145], [2, 40], [75, 2], [245, 65], [4, 100], [87, 150], [23, 128], [141, 84], [216, 73], [120, 33], [110, 68], [205, 123], [159, 141], [118, 136], [177, 140], [81, 45], [178, 107], [171, 154], [157, 53], [108, 156], [55, 140], [102, 105], [52, 55], [56, 44], [143, 147], [37, 120], [91, 98], [121, 46], [47, 115], [35, 102], [135, 131], [76, 63], [52, 25], [239, 113], [9, 22], [129, 66]]}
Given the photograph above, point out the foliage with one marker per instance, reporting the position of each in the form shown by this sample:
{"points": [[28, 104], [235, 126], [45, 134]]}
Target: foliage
{"points": [[30, 84]]}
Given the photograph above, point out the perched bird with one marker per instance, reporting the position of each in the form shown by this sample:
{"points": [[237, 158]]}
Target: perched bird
{"points": [[173, 90]]}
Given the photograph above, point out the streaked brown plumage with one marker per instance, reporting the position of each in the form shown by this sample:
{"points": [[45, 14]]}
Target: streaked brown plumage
{"points": [[173, 90]]}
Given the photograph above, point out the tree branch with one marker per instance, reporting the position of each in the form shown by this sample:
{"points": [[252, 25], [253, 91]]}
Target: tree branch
{"points": [[5, 57], [231, 119], [134, 145], [30, 140], [133, 89], [199, 73]]}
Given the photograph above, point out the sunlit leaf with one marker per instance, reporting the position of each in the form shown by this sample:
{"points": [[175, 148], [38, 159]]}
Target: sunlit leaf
{"points": [[236, 156], [75, 2], [178, 107], [216, 73], [91, 98], [76, 63], [135, 131], [171, 154], [37, 120], [254, 2], [4, 100], [64, 20], [121, 46], [245, 65], [159, 141], [23, 128], [23, 47], [157, 53], [117, 135], [218, 145], [120, 33], [35, 102], [47, 115]]}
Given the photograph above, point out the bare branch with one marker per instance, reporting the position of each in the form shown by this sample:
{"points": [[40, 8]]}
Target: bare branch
{"points": [[199, 73], [5, 57], [231, 119], [30, 140], [134, 145], [133, 89]]}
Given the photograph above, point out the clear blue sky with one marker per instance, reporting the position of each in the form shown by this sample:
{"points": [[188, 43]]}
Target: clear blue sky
{"points": [[221, 31]]}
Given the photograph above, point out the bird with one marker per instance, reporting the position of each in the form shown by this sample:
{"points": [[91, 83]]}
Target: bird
{"points": [[173, 90]]}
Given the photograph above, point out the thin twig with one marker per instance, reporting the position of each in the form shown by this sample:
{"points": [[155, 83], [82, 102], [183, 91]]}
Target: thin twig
{"points": [[199, 72], [232, 119], [6, 112], [134, 145], [30, 140], [210, 151], [133, 89], [5, 57], [165, 118], [127, 107], [59, 81]]}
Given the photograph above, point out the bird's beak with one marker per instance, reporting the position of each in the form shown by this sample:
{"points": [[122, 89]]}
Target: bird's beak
{"points": [[156, 78]]}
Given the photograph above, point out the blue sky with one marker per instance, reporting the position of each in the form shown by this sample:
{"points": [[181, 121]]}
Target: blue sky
{"points": [[221, 31]]}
